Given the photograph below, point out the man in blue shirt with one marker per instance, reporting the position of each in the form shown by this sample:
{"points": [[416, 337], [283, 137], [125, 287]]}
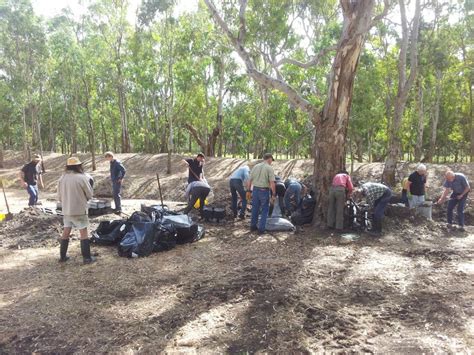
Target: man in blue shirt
{"points": [[457, 184], [236, 184], [117, 173]]}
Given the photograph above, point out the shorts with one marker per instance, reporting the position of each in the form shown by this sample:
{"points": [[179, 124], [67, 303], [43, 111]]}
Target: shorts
{"points": [[78, 222]]}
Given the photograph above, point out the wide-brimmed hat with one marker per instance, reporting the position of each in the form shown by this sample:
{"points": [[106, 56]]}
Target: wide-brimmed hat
{"points": [[73, 161]]}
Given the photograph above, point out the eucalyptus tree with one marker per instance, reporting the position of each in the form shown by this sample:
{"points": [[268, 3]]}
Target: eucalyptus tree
{"points": [[273, 43]]}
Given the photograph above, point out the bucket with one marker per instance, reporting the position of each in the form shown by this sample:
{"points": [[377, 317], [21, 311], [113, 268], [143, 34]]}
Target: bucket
{"points": [[425, 209]]}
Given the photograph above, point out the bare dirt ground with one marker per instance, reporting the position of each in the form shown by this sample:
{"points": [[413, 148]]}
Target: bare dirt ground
{"points": [[410, 291]]}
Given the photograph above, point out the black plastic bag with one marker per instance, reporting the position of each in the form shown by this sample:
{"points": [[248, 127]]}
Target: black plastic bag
{"points": [[165, 237], [139, 241], [109, 232], [139, 217], [186, 229], [304, 215]]}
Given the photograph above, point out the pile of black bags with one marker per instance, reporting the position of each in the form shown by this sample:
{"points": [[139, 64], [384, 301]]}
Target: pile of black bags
{"points": [[153, 229]]}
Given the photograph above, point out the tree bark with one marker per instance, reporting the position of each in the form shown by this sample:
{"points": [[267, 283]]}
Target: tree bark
{"points": [[331, 133], [435, 118], [421, 124], [404, 87]]}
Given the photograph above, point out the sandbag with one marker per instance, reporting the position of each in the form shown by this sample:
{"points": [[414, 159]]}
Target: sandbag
{"points": [[213, 213], [139, 241], [275, 224], [109, 232]]}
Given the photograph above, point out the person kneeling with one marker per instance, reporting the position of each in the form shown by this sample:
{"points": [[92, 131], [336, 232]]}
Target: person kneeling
{"points": [[74, 190]]}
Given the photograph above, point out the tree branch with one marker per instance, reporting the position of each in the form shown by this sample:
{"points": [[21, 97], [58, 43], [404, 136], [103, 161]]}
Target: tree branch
{"points": [[294, 97], [312, 62], [386, 7]]}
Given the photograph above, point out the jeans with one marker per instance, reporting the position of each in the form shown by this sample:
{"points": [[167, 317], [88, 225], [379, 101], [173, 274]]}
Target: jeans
{"points": [[380, 204], [237, 187], [416, 200], [453, 201], [292, 192], [337, 199], [33, 192], [116, 188], [260, 199], [197, 193]]}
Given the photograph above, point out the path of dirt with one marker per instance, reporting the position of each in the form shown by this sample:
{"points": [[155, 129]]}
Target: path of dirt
{"points": [[410, 291]]}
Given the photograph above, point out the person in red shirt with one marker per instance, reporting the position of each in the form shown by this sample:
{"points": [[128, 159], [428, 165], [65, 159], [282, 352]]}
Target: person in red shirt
{"points": [[339, 191]]}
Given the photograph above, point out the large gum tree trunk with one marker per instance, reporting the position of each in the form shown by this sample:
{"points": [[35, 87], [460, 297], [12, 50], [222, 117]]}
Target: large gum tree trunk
{"points": [[331, 130]]}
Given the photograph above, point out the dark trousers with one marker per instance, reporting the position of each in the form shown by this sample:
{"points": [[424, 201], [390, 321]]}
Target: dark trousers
{"points": [[116, 189], [33, 192], [260, 200], [453, 201], [293, 193], [380, 204], [237, 187], [197, 193]]}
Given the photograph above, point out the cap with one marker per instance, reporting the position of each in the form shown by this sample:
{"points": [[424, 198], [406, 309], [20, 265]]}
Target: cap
{"points": [[267, 156], [73, 161], [201, 155], [36, 157]]}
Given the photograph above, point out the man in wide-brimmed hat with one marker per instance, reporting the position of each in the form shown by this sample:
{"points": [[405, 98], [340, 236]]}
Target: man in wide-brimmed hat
{"points": [[74, 190], [30, 176]]}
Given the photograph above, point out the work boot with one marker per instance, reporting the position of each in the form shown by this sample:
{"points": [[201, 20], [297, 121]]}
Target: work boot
{"points": [[376, 229], [86, 251], [63, 245]]}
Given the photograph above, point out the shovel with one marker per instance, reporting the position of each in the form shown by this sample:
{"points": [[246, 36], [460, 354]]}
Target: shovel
{"points": [[8, 216]]}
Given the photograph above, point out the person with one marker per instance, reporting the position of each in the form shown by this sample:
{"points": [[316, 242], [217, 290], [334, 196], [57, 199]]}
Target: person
{"points": [[457, 184], [262, 178], [292, 195], [341, 188], [405, 192], [280, 190], [196, 190], [195, 168], [416, 186], [237, 181], [30, 175], [117, 174], [377, 196], [74, 190]]}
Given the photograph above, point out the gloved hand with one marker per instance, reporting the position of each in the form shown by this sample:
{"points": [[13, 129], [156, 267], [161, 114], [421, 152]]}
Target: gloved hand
{"points": [[248, 195]]}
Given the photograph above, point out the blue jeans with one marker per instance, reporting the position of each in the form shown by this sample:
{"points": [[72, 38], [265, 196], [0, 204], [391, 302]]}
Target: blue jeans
{"points": [[116, 188], [260, 199], [453, 201], [237, 187], [292, 192], [33, 192], [380, 204]]}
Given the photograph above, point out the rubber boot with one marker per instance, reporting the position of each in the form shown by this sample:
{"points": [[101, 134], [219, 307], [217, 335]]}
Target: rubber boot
{"points": [[64, 243], [376, 229], [86, 251]]}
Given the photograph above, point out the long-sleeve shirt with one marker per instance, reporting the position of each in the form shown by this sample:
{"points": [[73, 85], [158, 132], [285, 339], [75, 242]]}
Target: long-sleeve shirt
{"points": [[117, 170], [74, 190], [373, 191], [343, 180]]}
